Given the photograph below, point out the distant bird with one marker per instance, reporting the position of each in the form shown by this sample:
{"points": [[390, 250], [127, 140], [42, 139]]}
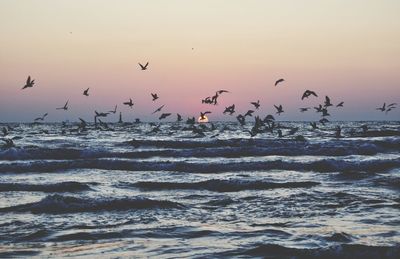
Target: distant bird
{"points": [[178, 117], [323, 121], [114, 111], [383, 108], [390, 107], [130, 103], [144, 67], [41, 118], [269, 118], [279, 109], [164, 115], [304, 109], [327, 102], [82, 125], [229, 109], [86, 92], [159, 109], [222, 91], [279, 81], [65, 107], [241, 119], [340, 104], [203, 114], [101, 114], [29, 83], [307, 93], [256, 104], [325, 112], [249, 113], [155, 96]]}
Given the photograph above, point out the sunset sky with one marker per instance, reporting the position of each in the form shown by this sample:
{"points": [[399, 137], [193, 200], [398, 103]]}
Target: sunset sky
{"points": [[349, 50]]}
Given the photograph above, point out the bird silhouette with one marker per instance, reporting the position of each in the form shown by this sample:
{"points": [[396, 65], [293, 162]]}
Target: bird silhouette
{"points": [[101, 114], [65, 107], [340, 104], [29, 83], [178, 117], [202, 115], [279, 81], [325, 112], [249, 113], [164, 115], [229, 109], [41, 118], [222, 91], [159, 108], [279, 109], [144, 67], [327, 102], [256, 104], [383, 108], [241, 119], [304, 109], [319, 108], [155, 96], [130, 103], [86, 92], [307, 93], [323, 121]]}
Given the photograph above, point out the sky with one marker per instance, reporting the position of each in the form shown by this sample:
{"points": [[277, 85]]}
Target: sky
{"points": [[348, 50]]}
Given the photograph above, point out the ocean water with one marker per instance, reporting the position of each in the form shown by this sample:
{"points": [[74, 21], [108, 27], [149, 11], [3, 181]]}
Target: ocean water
{"points": [[128, 191]]}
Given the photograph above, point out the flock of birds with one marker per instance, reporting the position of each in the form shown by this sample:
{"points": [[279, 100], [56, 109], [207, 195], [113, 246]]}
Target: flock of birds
{"points": [[260, 125]]}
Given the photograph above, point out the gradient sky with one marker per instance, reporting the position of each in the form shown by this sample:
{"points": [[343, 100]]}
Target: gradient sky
{"points": [[349, 50]]}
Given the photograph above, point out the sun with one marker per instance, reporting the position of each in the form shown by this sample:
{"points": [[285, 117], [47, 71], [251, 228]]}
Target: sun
{"points": [[205, 119]]}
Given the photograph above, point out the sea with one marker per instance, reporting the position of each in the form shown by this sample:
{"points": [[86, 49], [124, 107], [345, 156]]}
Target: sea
{"points": [[134, 190]]}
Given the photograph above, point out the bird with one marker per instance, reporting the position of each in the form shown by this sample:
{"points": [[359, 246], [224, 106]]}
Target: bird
{"points": [[323, 121], [241, 119], [319, 108], [65, 107], [279, 109], [256, 104], [221, 91], [41, 118], [279, 81], [29, 83], [307, 93], [340, 104], [130, 103], [159, 109], [164, 115], [325, 112], [113, 111], [327, 101], [249, 113], [101, 114], [383, 108], [155, 96], [178, 117], [304, 109], [203, 114], [143, 67], [86, 92], [229, 109]]}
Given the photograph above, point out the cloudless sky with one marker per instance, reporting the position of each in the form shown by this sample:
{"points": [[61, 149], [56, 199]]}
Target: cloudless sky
{"points": [[349, 50]]}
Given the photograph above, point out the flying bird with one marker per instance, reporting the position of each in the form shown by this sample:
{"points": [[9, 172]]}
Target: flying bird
{"points": [[65, 107], [229, 109], [279, 109], [202, 115], [130, 103], [178, 117], [41, 118], [256, 104], [114, 111], [249, 113], [383, 108], [29, 83], [101, 114], [86, 92], [304, 109], [327, 101], [155, 96], [159, 109], [340, 104], [164, 115], [143, 67], [307, 93], [222, 91], [279, 81]]}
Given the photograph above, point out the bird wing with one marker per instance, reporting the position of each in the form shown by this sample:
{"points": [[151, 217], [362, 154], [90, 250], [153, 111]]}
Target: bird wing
{"points": [[28, 80], [146, 64]]}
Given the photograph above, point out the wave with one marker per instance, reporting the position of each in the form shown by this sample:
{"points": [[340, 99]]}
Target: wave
{"points": [[217, 185], [55, 187], [237, 148], [345, 251], [57, 204], [323, 165]]}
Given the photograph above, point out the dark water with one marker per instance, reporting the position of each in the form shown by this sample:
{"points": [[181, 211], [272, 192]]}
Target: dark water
{"points": [[173, 194]]}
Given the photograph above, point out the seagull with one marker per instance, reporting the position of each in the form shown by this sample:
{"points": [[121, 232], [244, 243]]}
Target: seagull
{"points": [[340, 104], [279, 81], [319, 108], [159, 109], [325, 112], [130, 103], [178, 117], [279, 109], [65, 107], [29, 83], [155, 96], [241, 119], [41, 118], [230, 109], [113, 111], [256, 104], [164, 115], [307, 93], [304, 109], [327, 101], [383, 108], [143, 67], [101, 114], [249, 113], [202, 115], [86, 92]]}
